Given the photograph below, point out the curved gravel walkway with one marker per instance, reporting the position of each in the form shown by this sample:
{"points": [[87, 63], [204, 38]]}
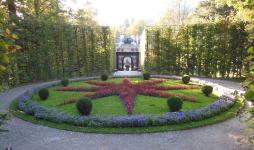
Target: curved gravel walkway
{"points": [[25, 135]]}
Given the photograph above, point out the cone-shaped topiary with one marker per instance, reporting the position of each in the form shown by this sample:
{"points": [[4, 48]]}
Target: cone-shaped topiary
{"points": [[186, 79], [207, 89], [43, 93], [84, 105], [174, 103], [104, 77], [146, 75], [65, 82]]}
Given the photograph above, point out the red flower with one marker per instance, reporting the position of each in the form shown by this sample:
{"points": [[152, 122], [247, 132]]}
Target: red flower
{"points": [[127, 91]]}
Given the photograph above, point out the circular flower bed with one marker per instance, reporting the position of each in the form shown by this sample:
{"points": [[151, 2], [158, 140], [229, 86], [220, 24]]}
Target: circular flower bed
{"points": [[30, 107]]}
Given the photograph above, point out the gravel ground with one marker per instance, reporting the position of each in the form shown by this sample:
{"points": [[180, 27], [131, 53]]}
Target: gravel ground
{"points": [[25, 135], [128, 73]]}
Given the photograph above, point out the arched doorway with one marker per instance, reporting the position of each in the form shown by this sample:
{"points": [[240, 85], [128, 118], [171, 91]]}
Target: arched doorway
{"points": [[133, 60], [124, 59]]}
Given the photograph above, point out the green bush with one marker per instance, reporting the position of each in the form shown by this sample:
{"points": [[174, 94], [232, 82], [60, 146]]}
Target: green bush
{"points": [[174, 103], [146, 75], [104, 77], [207, 89], [84, 105], [186, 79], [43, 93], [65, 82]]}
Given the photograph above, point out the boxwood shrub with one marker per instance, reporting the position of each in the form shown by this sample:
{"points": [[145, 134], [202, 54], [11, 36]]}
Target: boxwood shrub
{"points": [[104, 77], [146, 75], [186, 79]]}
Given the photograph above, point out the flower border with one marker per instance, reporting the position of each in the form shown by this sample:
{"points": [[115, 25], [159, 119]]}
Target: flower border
{"points": [[31, 107]]}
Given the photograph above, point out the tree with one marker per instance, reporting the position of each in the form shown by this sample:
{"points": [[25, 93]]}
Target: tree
{"points": [[175, 14], [246, 13], [209, 11], [6, 48], [86, 16], [137, 28]]}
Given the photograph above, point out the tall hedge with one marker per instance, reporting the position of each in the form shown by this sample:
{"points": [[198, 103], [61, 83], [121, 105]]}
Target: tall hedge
{"points": [[211, 50]]}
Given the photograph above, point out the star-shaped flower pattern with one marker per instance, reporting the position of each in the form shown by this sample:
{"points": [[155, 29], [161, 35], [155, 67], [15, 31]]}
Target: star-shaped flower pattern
{"points": [[127, 91]]}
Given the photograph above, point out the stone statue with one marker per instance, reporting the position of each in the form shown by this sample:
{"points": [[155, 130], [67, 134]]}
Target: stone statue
{"points": [[127, 63]]}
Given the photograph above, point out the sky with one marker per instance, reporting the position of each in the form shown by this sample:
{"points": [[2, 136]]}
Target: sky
{"points": [[114, 12]]}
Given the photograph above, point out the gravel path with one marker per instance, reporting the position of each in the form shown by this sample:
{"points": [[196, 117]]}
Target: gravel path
{"points": [[128, 73], [25, 135]]}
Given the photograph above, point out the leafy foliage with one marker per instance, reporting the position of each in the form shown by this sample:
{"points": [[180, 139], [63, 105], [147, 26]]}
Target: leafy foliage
{"points": [[104, 77], [31, 107], [207, 89], [210, 10], [84, 105], [53, 47], [246, 12], [211, 49], [174, 103], [129, 28], [146, 75], [186, 79], [7, 48], [43, 93], [65, 82]]}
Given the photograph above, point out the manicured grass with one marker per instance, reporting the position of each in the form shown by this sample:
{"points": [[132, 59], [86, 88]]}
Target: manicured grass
{"points": [[102, 106], [171, 82], [132, 80], [77, 84], [108, 106], [150, 105], [197, 93], [239, 104], [113, 106], [158, 106], [56, 98]]}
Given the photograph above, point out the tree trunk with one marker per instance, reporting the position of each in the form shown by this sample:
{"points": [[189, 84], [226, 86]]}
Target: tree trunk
{"points": [[61, 50], [78, 61], [12, 8], [69, 61]]}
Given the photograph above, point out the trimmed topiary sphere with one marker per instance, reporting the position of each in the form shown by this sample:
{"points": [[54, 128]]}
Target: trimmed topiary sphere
{"points": [[84, 105], [43, 93], [207, 89], [65, 82], [146, 75], [186, 79], [174, 103], [104, 77]]}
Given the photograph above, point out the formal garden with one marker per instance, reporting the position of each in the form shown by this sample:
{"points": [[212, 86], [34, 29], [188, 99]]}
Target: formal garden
{"points": [[79, 58], [126, 105]]}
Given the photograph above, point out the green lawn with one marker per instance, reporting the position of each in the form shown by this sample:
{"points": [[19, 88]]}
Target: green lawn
{"points": [[77, 84], [218, 118], [101, 106], [108, 106], [171, 82], [158, 106], [150, 105], [113, 106]]}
